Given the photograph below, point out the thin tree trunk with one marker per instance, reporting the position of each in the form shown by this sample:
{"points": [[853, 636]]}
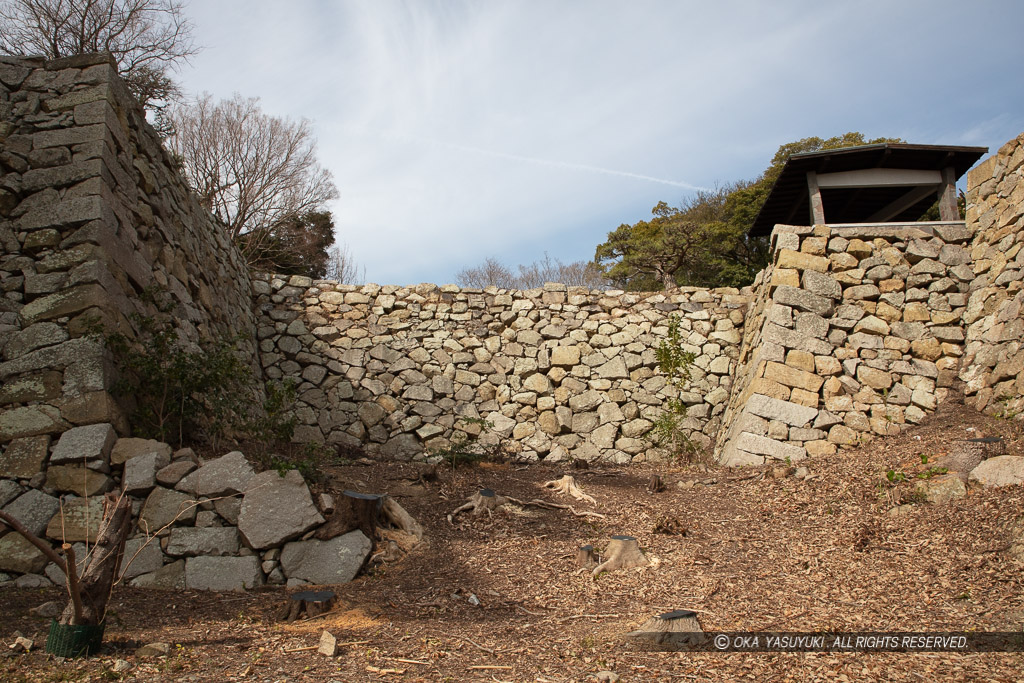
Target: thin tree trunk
{"points": [[96, 582]]}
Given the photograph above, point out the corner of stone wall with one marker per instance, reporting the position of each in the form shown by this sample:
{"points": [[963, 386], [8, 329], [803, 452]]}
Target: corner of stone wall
{"points": [[854, 332], [993, 365], [92, 214]]}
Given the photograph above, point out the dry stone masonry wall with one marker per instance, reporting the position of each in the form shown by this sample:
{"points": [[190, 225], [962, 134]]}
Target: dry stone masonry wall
{"points": [[217, 525], [93, 214], [856, 334], [851, 332], [993, 367], [558, 372]]}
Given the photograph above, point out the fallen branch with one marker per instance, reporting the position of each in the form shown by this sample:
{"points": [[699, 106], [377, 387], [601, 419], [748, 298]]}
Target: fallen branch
{"points": [[556, 506], [587, 616], [377, 670], [476, 645]]}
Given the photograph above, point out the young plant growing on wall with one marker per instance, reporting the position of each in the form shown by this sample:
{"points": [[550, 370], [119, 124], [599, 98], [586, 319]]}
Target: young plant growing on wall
{"points": [[181, 391], [674, 362]]}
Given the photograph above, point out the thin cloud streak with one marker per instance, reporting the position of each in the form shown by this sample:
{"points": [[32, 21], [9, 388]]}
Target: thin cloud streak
{"points": [[515, 129], [552, 163]]}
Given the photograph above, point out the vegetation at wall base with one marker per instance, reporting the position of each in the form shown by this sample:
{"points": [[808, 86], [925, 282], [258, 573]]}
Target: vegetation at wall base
{"points": [[675, 364]]}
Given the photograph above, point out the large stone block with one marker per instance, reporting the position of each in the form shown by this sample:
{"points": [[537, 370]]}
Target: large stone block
{"points": [[33, 509], [140, 472], [207, 573], [214, 540], [141, 556], [129, 447], [84, 444], [821, 284], [20, 556], [788, 258], [1002, 470], [762, 445], [326, 562], [565, 356], [78, 520], [23, 458], [276, 509], [228, 474], [168, 577], [9, 490], [79, 479], [773, 409], [792, 377], [65, 302], [30, 421], [163, 508]]}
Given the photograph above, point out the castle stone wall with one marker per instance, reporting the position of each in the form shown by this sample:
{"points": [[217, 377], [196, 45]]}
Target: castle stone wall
{"points": [[993, 367], [558, 372], [93, 215]]}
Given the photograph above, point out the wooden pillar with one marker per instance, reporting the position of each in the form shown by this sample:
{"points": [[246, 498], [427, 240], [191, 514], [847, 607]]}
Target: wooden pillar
{"points": [[948, 210], [817, 208]]}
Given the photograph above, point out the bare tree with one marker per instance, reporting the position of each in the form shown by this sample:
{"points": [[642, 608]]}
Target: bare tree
{"points": [[494, 273], [491, 272], [254, 172], [342, 267], [147, 38]]}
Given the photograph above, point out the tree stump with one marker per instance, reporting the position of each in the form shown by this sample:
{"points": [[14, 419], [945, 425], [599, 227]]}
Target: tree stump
{"points": [[353, 511], [674, 630], [484, 500], [587, 557], [655, 485], [623, 552], [306, 604], [567, 485]]}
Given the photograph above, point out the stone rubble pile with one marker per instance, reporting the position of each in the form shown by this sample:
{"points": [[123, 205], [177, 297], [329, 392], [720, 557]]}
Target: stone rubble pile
{"points": [[217, 525], [558, 372]]}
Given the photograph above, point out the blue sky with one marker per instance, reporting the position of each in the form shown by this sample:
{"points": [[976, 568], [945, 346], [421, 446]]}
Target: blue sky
{"points": [[458, 130]]}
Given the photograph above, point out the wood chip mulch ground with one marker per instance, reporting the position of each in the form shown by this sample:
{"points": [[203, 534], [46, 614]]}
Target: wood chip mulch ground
{"points": [[500, 598]]}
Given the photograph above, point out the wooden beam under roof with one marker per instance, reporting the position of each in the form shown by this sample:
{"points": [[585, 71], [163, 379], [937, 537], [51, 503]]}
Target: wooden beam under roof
{"points": [[879, 177]]}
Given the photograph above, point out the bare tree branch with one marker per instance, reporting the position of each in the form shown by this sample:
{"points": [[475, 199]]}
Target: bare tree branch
{"points": [[494, 273], [256, 173], [147, 38]]}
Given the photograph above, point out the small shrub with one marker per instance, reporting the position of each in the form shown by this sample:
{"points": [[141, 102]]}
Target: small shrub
{"points": [[180, 391], [464, 446], [674, 362]]}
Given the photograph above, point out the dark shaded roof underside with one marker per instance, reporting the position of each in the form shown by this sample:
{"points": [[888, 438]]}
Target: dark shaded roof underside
{"points": [[789, 203]]}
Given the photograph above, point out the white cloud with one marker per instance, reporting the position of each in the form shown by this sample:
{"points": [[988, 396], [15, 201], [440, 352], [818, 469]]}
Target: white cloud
{"points": [[457, 130]]}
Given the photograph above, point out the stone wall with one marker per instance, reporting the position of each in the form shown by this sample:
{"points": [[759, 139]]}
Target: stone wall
{"points": [[209, 526], [855, 332], [558, 372], [993, 367], [93, 214]]}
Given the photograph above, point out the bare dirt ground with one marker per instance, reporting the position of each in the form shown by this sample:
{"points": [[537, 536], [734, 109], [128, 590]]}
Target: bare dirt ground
{"points": [[749, 554]]}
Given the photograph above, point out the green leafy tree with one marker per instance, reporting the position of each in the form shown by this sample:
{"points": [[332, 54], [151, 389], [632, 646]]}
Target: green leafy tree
{"points": [[705, 241], [675, 363], [297, 246]]}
